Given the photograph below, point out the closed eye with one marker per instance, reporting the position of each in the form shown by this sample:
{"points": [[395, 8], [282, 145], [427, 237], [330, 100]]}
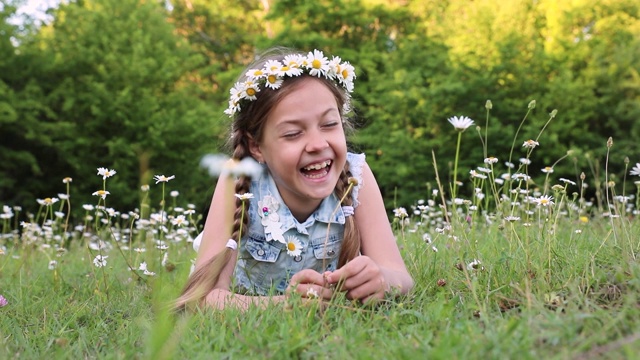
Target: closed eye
{"points": [[291, 135], [331, 124]]}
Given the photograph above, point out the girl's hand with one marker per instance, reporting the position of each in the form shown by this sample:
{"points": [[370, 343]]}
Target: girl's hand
{"points": [[361, 278], [310, 284]]}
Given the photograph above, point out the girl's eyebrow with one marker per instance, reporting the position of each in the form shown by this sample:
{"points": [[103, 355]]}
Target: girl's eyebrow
{"points": [[296, 120]]}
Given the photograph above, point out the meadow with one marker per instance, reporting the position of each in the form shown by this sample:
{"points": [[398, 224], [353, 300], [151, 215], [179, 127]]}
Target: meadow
{"points": [[504, 267]]}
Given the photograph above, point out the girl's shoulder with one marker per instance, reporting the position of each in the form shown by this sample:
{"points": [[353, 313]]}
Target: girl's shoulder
{"points": [[356, 166]]}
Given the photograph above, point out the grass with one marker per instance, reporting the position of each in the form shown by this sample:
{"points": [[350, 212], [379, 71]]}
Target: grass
{"points": [[503, 275]]}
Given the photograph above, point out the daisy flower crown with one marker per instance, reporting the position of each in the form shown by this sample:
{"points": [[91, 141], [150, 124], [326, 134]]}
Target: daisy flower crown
{"points": [[274, 72]]}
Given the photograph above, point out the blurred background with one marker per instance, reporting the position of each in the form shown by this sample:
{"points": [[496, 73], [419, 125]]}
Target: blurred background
{"points": [[140, 86]]}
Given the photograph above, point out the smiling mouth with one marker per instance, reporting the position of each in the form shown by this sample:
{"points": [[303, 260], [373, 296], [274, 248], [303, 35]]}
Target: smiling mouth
{"points": [[318, 170]]}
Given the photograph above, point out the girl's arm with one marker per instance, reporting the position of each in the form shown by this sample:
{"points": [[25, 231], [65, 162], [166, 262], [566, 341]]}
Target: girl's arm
{"points": [[302, 282], [380, 268]]}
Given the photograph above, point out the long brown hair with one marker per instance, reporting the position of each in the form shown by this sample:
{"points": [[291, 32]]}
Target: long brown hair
{"points": [[249, 123]]}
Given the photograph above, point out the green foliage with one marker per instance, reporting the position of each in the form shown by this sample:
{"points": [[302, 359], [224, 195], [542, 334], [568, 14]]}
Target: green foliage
{"points": [[141, 87], [111, 89]]}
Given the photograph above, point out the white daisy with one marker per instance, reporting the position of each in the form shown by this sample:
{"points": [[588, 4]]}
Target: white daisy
{"points": [[47, 201], [460, 123], [346, 75], [162, 178], [245, 196], [273, 67], [274, 81], [179, 220], [249, 90], [567, 181], [312, 293], [544, 200], [317, 63], [635, 170], [255, 73], [100, 260], [105, 172], [101, 193], [294, 247], [474, 265], [475, 174], [530, 144], [400, 213], [490, 160]]}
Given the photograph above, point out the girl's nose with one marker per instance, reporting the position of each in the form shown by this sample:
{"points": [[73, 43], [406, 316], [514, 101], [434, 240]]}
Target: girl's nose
{"points": [[316, 143]]}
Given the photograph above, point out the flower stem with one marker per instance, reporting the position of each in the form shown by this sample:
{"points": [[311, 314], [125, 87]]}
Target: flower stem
{"points": [[455, 168]]}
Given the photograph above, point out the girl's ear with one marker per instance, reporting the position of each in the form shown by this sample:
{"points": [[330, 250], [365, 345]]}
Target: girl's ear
{"points": [[254, 149]]}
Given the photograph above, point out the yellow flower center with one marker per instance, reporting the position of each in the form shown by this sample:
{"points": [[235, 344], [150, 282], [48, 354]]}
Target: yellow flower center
{"points": [[291, 246], [47, 201], [345, 73], [285, 68], [544, 201], [316, 64], [272, 79], [251, 91]]}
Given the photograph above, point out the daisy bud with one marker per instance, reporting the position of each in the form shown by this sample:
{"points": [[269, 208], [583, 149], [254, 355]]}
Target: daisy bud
{"points": [[488, 105], [532, 105]]}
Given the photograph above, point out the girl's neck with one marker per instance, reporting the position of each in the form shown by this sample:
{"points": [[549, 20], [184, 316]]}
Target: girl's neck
{"points": [[301, 210]]}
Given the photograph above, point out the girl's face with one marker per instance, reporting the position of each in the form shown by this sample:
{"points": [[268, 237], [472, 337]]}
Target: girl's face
{"points": [[304, 146]]}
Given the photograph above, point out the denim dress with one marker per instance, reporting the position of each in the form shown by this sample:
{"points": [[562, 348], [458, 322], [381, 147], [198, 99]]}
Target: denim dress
{"points": [[264, 266]]}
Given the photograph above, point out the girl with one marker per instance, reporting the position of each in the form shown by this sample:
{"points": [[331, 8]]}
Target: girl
{"points": [[313, 221]]}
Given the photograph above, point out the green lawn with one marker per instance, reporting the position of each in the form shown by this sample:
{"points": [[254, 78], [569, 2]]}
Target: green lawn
{"points": [[555, 283]]}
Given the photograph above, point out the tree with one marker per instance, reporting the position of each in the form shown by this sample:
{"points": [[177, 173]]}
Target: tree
{"points": [[117, 81]]}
